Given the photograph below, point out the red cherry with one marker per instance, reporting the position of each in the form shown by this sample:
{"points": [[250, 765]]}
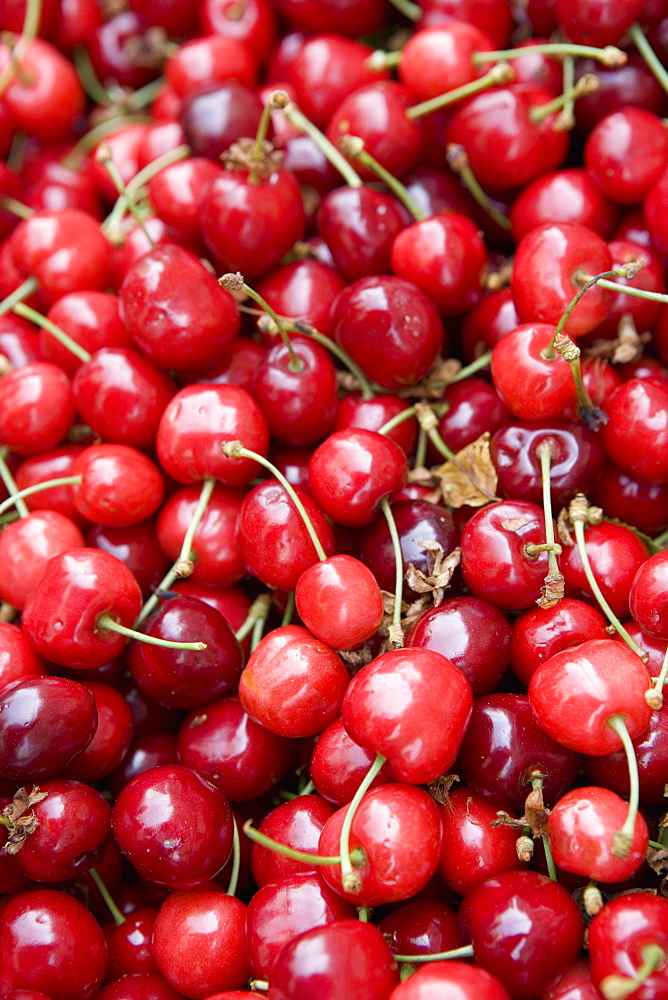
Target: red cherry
{"points": [[130, 945], [647, 599], [27, 545], [621, 176], [36, 407], [119, 485], [615, 555], [17, 659], [565, 196], [255, 25], [540, 633], [371, 414], [298, 824], [618, 937], [440, 58], [216, 115], [340, 601], [596, 23], [92, 319], [210, 59], [438, 978], [326, 70], [303, 290], [137, 546], [45, 96], [111, 738], [636, 434], [359, 225], [518, 365], [338, 765]]}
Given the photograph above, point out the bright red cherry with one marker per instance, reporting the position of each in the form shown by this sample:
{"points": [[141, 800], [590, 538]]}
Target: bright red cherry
{"points": [[636, 435], [647, 599], [36, 407], [45, 96], [297, 823], [338, 765], [459, 979], [339, 601], [618, 938], [27, 545], [531, 386]]}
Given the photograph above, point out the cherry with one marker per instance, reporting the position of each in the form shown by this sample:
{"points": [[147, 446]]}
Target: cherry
{"points": [[176, 311], [36, 407], [197, 421], [439, 58], [238, 366], [621, 177], [413, 707], [323, 598], [338, 765], [303, 290], [111, 738], [111, 48], [92, 319], [130, 944], [174, 827], [525, 929], [637, 413], [472, 633], [497, 561], [216, 115], [293, 684], [647, 597], [44, 723], [27, 545], [595, 23], [397, 829], [472, 849], [628, 932], [615, 555], [438, 978], [569, 195], [17, 659], [282, 910], [122, 396], [211, 59], [345, 958], [352, 471], [504, 748], [52, 183], [118, 485], [135, 545], [326, 70], [519, 364], [539, 633], [359, 225], [223, 745], [389, 327], [186, 678], [144, 752], [472, 407], [41, 931], [581, 828], [254, 24], [45, 96], [139, 986], [297, 824], [643, 312], [575, 984], [612, 771], [199, 941], [372, 414], [19, 342]]}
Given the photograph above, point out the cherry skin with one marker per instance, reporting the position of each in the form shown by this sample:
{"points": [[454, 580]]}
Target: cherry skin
{"points": [[188, 446], [144, 752], [531, 386], [199, 942], [637, 413], [36, 406], [303, 290], [137, 546], [61, 615], [595, 23], [338, 765], [355, 411], [643, 312], [615, 554], [111, 739], [565, 196], [412, 706], [130, 946], [46, 96], [341, 960], [185, 678], [293, 684], [177, 313], [139, 986], [397, 828], [437, 979], [255, 25], [27, 545], [612, 771], [495, 563], [576, 984], [297, 823], [282, 910], [52, 963], [340, 601], [210, 59], [173, 826], [473, 407], [352, 471], [472, 849], [619, 933], [119, 485], [421, 927], [574, 694], [216, 115], [581, 828], [176, 192], [528, 953], [44, 723], [359, 226], [623, 178], [236, 755], [439, 58], [539, 633], [92, 319], [17, 659], [472, 633], [47, 465], [504, 748]]}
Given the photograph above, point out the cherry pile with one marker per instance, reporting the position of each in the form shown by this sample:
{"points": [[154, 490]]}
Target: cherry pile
{"points": [[333, 500]]}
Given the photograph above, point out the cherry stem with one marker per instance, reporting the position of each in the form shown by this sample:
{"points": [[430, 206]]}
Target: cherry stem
{"points": [[637, 293], [259, 609], [353, 147], [549, 860], [25, 289], [411, 11], [94, 135], [290, 852], [440, 445], [593, 417], [88, 77], [236, 449], [395, 421], [279, 99], [499, 74], [660, 681], [27, 312], [609, 56], [654, 64], [396, 632], [260, 985], [141, 178], [578, 526], [236, 860], [10, 483], [420, 450], [458, 162], [260, 139], [623, 839], [183, 566], [550, 351], [17, 208], [234, 282], [553, 589], [31, 19], [349, 879], [566, 120], [587, 84], [466, 951], [363, 914], [257, 633], [619, 987], [475, 366], [119, 917], [310, 331], [37, 488], [289, 612], [105, 158], [106, 623]]}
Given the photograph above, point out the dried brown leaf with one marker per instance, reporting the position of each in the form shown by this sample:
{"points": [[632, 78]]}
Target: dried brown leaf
{"points": [[469, 479]]}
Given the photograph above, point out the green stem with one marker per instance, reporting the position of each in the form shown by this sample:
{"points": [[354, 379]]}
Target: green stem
{"points": [[440, 445], [596, 591], [141, 178], [259, 609], [256, 635], [260, 138], [349, 879], [610, 56], [63, 338], [17, 208], [476, 366], [637, 293], [288, 614], [624, 838], [663, 676], [236, 282], [661, 540], [654, 64], [421, 449], [94, 135], [37, 488], [289, 852], [25, 289], [338, 352], [105, 158], [499, 74], [549, 353], [106, 623], [587, 84], [10, 483], [549, 860], [185, 555], [458, 162], [545, 452], [411, 11], [398, 565], [328, 149], [236, 859], [88, 77], [353, 147], [145, 95], [466, 951], [398, 419], [31, 19], [119, 918]]}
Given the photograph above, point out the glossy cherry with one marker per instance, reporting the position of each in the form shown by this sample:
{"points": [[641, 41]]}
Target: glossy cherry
{"points": [[429, 982], [111, 738], [297, 823], [539, 633], [616, 554], [359, 225], [37, 407], [637, 412], [338, 765], [569, 195], [619, 935], [137, 546], [27, 545], [531, 386], [326, 605]]}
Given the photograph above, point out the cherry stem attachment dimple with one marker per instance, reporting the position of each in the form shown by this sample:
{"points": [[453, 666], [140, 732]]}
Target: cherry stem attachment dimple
{"points": [[10, 484], [500, 74], [60, 335], [349, 879], [353, 147], [37, 488], [119, 918], [235, 282], [458, 161], [235, 449], [622, 840], [396, 632], [619, 987], [466, 951], [236, 859], [279, 99], [106, 623], [183, 566]]}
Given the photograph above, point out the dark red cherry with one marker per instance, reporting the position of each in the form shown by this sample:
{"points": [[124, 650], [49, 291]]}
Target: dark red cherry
{"points": [[338, 765], [621, 176], [17, 659], [216, 115], [596, 23], [359, 225], [254, 25], [539, 633], [145, 751], [472, 407], [137, 546], [130, 945], [111, 739], [371, 414]]}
